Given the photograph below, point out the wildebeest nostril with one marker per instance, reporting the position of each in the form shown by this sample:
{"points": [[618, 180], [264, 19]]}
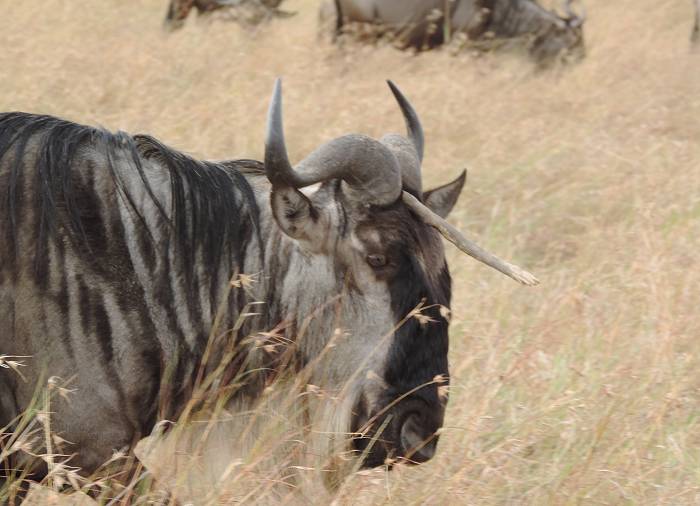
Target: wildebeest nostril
{"points": [[418, 443]]}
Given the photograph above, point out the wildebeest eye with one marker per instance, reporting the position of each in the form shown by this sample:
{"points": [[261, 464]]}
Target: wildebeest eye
{"points": [[377, 260]]}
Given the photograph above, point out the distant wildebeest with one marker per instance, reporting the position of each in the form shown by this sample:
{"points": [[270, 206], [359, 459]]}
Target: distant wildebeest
{"points": [[424, 24], [178, 10], [695, 35], [117, 255]]}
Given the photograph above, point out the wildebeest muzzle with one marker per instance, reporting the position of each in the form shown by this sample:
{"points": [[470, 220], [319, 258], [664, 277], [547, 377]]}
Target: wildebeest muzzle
{"points": [[403, 432]]}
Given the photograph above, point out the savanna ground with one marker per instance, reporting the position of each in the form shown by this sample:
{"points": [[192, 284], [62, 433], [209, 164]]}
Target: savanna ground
{"points": [[584, 390]]}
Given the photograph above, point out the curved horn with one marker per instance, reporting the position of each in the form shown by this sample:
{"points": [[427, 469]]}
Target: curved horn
{"points": [[277, 167], [409, 149], [366, 165], [472, 249], [415, 130]]}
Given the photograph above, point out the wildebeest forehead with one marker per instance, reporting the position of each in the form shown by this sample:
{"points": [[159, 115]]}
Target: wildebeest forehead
{"points": [[402, 237]]}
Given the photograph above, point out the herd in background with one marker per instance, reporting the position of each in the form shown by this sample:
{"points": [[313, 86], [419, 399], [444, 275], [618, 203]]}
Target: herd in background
{"points": [[425, 24], [547, 35]]}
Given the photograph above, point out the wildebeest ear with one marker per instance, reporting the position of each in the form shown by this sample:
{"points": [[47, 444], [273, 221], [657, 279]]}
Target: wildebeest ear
{"points": [[442, 199], [293, 212]]}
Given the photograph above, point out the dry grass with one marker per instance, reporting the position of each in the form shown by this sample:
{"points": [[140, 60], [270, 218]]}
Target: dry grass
{"points": [[585, 390]]}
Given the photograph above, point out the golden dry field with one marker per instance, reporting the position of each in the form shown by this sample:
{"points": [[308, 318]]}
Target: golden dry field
{"points": [[583, 390]]}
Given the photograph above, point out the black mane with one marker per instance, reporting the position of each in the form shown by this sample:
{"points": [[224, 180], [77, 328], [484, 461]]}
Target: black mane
{"points": [[213, 206]]}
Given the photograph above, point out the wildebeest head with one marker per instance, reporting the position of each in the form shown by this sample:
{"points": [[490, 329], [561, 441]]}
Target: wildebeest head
{"points": [[563, 39], [361, 226]]}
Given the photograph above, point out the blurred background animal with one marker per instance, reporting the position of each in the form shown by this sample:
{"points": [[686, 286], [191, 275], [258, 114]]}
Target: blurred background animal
{"points": [[423, 24], [248, 11]]}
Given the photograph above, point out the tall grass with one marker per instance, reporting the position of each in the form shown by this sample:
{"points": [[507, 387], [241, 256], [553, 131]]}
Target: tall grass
{"points": [[585, 390]]}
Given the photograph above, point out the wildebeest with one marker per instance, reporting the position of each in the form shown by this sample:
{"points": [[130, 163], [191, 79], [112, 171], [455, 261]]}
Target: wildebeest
{"points": [[117, 255], [178, 10], [424, 24], [695, 35]]}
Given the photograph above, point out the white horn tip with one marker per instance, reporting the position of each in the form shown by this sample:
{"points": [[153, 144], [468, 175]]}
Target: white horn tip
{"points": [[522, 276]]}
